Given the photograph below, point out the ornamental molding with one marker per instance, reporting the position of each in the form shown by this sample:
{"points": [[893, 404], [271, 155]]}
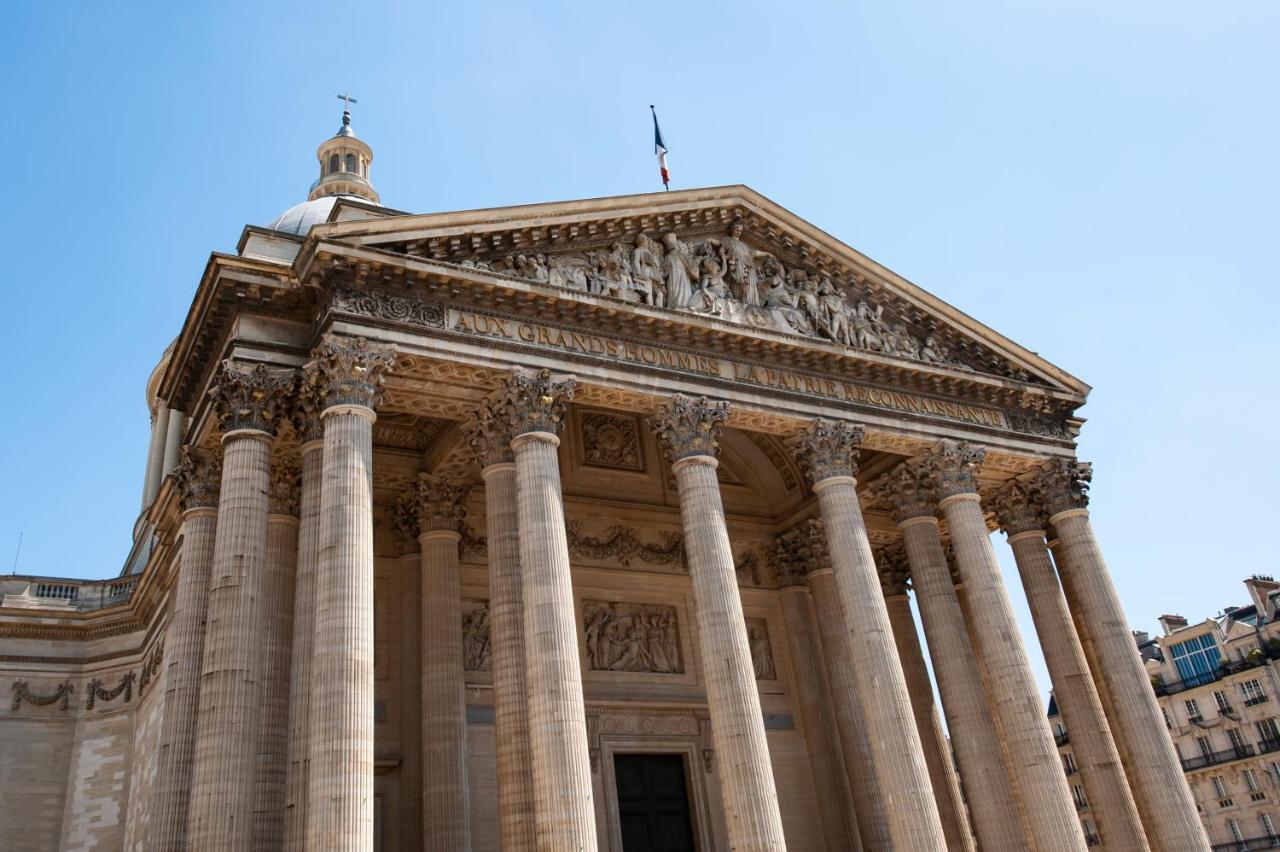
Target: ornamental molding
{"points": [[828, 448], [95, 692], [251, 396], [689, 426], [610, 439], [61, 694], [348, 371], [379, 304], [623, 545]]}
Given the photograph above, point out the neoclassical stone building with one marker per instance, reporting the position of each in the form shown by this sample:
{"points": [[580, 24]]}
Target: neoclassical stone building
{"points": [[586, 525]]}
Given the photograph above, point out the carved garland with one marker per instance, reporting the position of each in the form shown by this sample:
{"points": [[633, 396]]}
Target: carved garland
{"points": [[95, 691], [21, 693]]}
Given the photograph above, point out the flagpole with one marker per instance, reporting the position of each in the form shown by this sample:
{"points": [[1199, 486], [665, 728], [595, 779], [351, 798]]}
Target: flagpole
{"points": [[660, 151]]}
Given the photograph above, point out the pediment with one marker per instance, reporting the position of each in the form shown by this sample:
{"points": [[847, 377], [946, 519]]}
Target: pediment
{"points": [[725, 254]]}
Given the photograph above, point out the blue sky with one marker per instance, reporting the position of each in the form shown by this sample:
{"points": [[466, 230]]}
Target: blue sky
{"points": [[1098, 181]]}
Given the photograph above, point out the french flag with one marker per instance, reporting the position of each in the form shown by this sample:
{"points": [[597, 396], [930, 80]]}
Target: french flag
{"points": [[660, 150]]}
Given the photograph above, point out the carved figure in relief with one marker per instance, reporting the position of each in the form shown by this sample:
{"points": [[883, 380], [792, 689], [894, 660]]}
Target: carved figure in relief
{"points": [[613, 274], [739, 261], [533, 267], [932, 352], [568, 271], [475, 638], [865, 321], [681, 270], [625, 637], [836, 320], [761, 653], [646, 270]]}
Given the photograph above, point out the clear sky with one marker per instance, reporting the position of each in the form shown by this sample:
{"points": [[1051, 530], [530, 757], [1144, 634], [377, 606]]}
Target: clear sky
{"points": [[1096, 180]]}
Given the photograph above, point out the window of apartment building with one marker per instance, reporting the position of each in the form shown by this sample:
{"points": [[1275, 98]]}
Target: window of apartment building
{"points": [[1059, 729], [1253, 693], [1220, 698], [1250, 780], [1234, 828], [1069, 763], [1193, 710], [1077, 793], [1168, 723], [1219, 786], [1268, 825], [1197, 660], [1269, 733], [1237, 740], [1206, 747]]}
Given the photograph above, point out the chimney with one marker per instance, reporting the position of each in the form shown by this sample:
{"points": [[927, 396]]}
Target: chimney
{"points": [[1170, 623], [1260, 587]]}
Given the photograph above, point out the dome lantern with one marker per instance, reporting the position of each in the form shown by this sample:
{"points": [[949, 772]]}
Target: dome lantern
{"points": [[344, 163]]}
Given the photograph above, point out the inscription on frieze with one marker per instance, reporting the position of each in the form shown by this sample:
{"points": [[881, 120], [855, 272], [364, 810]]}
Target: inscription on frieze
{"points": [[631, 637]]}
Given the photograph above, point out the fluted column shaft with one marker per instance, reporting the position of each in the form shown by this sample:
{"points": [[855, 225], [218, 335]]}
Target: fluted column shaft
{"points": [[340, 786], [733, 701], [914, 822], [1034, 765], [174, 431], [184, 653], [506, 632], [565, 814], [446, 816], [846, 703], [974, 736], [155, 455], [411, 733], [937, 754], [1155, 775], [297, 749], [276, 626], [223, 777], [839, 824], [1105, 784]]}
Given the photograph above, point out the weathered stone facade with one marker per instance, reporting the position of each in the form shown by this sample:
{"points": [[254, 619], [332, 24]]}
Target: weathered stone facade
{"points": [[454, 523]]}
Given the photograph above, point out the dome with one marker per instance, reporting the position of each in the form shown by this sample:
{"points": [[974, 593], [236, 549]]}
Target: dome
{"points": [[299, 218]]}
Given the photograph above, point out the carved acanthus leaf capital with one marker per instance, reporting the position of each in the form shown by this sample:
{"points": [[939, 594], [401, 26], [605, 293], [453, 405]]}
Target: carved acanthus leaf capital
{"points": [[286, 481], [251, 396], [828, 448], [788, 558], [908, 492], [441, 504], [690, 426], [348, 371], [199, 476], [1017, 508], [490, 433], [535, 401], [308, 405], [405, 519], [954, 466], [894, 569], [815, 554], [1063, 484]]}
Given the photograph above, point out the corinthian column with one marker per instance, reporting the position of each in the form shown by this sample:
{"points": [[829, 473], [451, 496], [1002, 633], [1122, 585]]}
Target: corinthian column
{"points": [[974, 736], [198, 479], [347, 374], [276, 636], [1155, 776], [249, 404], [1034, 765], [835, 806], [446, 819], [490, 437], [1099, 761], [297, 757], [846, 701], [533, 404], [828, 448], [894, 576], [689, 429], [407, 522]]}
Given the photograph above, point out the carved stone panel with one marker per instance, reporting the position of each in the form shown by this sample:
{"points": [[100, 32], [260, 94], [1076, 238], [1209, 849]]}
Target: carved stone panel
{"points": [[761, 650], [631, 637], [611, 440], [476, 648]]}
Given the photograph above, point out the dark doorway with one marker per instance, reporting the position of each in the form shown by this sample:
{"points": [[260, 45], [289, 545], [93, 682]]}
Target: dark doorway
{"points": [[653, 803]]}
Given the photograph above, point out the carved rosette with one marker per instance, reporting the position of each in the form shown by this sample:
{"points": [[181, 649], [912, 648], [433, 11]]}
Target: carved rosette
{"points": [[490, 433], [787, 558], [286, 483], [535, 401], [954, 467], [348, 371], [1017, 508], [894, 570], [1063, 484], [441, 504], [405, 520], [251, 397], [690, 426], [908, 492], [199, 476], [828, 448]]}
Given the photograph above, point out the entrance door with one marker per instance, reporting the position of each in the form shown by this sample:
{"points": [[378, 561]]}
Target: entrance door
{"points": [[653, 803]]}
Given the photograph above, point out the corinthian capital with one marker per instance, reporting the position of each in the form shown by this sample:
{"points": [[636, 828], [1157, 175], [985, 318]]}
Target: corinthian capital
{"points": [[1017, 508], [490, 433], [954, 467], [788, 557], [690, 426], [405, 520], [285, 483], [1063, 484], [815, 553], [348, 371], [307, 406], [440, 504], [908, 492], [828, 448], [894, 570], [535, 401], [199, 476], [252, 397]]}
